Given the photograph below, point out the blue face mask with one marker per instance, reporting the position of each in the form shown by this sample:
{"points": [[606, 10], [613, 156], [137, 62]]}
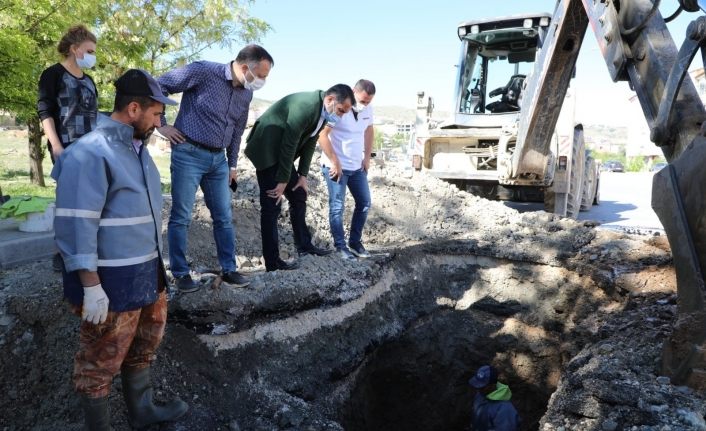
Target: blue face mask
{"points": [[331, 117]]}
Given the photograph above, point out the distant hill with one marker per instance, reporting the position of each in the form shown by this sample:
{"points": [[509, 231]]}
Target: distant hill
{"points": [[260, 104], [599, 134], [396, 114], [618, 133], [393, 114], [593, 133]]}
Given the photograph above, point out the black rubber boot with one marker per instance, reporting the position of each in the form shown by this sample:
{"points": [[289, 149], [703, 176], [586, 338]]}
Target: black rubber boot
{"points": [[96, 412], [141, 409]]}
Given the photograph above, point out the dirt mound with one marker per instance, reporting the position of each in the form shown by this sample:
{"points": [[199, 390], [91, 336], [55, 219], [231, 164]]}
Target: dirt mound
{"points": [[457, 281]]}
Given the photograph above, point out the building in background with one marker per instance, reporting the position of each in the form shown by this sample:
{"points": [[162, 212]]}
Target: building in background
{"points": [[639, 144]]}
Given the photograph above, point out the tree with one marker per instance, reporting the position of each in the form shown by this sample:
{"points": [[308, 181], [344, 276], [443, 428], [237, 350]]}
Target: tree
{"points": [[159, 35], [154, 35], [379, 140], [399, 139], [27, 41]]}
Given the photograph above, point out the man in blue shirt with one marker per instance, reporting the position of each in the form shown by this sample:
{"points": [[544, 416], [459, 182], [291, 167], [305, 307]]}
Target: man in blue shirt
{"points": [[212, 117]]}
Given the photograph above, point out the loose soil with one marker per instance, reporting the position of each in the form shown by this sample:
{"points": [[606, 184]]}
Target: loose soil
{"points": [[572, 315]]}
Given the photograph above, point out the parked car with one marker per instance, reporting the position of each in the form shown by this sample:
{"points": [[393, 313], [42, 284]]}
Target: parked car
{"points": [[613, 166], [658, 166]]}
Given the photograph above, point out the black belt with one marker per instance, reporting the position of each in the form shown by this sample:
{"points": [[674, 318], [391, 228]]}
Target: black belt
{"points": [[205, 147]]}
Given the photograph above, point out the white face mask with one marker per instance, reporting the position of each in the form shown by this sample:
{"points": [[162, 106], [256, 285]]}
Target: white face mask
{"points": [[359, 107], [87, 62], [254, 85]]}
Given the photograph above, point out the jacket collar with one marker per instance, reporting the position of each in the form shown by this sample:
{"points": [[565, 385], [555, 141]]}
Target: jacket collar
{"points": [[318, 118], [121, 131]]}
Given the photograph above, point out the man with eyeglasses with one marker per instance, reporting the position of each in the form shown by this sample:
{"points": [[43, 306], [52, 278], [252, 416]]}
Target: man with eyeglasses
{"points": [[205, 142]]}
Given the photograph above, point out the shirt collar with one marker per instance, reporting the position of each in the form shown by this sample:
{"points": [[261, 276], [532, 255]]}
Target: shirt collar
{"points": [[229, 77], [136, 144]]}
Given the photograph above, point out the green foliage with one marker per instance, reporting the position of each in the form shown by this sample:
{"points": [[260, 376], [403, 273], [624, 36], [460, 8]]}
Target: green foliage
{"points": [[28, 44], [379, 140], [23, 188], [156, 35], [605, 156], [399, 140], [162, 34], [16, 65], [635, 164]]}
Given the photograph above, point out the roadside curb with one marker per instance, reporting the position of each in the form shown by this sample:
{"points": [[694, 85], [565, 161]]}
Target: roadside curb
{"points": [[18, 247]]}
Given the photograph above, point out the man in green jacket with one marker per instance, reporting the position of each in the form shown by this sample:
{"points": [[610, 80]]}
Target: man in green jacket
{"points": [[287, 131]]}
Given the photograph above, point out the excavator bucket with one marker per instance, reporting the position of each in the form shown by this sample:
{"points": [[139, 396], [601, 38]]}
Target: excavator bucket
{"points": [[679, 199]]}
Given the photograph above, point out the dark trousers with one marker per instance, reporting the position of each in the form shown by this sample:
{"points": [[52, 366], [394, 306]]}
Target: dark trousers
{"points": [[269, 212]]}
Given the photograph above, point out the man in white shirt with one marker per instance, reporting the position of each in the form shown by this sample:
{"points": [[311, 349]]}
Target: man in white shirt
{"points": [[345, 164]]}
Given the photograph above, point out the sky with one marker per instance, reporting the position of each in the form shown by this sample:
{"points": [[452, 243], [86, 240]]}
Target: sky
{"points": [[408, 46]]}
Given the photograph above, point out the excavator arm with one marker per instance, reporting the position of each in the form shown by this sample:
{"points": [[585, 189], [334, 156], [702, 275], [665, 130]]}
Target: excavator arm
{"points": [[546, 87], [638, 48]]}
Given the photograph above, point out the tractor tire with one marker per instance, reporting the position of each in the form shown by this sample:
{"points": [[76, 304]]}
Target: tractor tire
{"points": [[597, 194], [589, 184], [578, 157], [489, 192], [549, 199]]}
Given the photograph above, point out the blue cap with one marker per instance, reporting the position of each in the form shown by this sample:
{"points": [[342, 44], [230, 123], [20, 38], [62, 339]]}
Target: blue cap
{"points": [[137, 82], [486, 375]]}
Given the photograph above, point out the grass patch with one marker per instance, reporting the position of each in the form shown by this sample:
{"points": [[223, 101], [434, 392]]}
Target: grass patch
{"points": [[163, 160], [14, 167], [19, 189]]}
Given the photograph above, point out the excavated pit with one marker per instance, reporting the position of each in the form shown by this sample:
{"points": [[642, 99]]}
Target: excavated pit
{"points": [[398, 354], [418, 381]]}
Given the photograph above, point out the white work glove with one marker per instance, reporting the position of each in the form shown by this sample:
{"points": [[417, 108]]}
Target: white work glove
{"points": [[95, 304]]}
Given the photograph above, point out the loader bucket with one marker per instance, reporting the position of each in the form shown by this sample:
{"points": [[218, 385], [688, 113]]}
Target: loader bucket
{"points": [[679, 199]]}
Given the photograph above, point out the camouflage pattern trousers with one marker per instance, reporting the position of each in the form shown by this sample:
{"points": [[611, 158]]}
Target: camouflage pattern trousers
{"points": [[127, 339]]}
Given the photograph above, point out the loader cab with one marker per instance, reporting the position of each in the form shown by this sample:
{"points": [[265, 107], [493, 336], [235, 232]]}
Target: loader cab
{"points": [[496, 58]]}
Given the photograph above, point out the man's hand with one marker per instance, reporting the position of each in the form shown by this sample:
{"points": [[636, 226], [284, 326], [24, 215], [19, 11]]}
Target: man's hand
{"points": [[366, 163], [232, 176], [172, 133], [95, 304], [277, 192], [302, 182], [334, 172]]}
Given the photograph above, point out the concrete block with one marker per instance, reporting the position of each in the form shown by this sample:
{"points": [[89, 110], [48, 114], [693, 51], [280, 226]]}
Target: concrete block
{"points": [[18, 247]]}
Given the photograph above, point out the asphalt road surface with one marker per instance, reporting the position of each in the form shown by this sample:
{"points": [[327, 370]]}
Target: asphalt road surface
{"points": [[626, 203]]}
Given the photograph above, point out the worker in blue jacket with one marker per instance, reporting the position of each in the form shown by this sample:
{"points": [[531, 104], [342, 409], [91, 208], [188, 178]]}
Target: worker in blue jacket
{"points": [[492, 408], [108, 228]]}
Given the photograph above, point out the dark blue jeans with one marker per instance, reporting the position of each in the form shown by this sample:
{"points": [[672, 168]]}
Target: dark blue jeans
{"points": [[192, 167], [269, 212], [357, 183]]}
